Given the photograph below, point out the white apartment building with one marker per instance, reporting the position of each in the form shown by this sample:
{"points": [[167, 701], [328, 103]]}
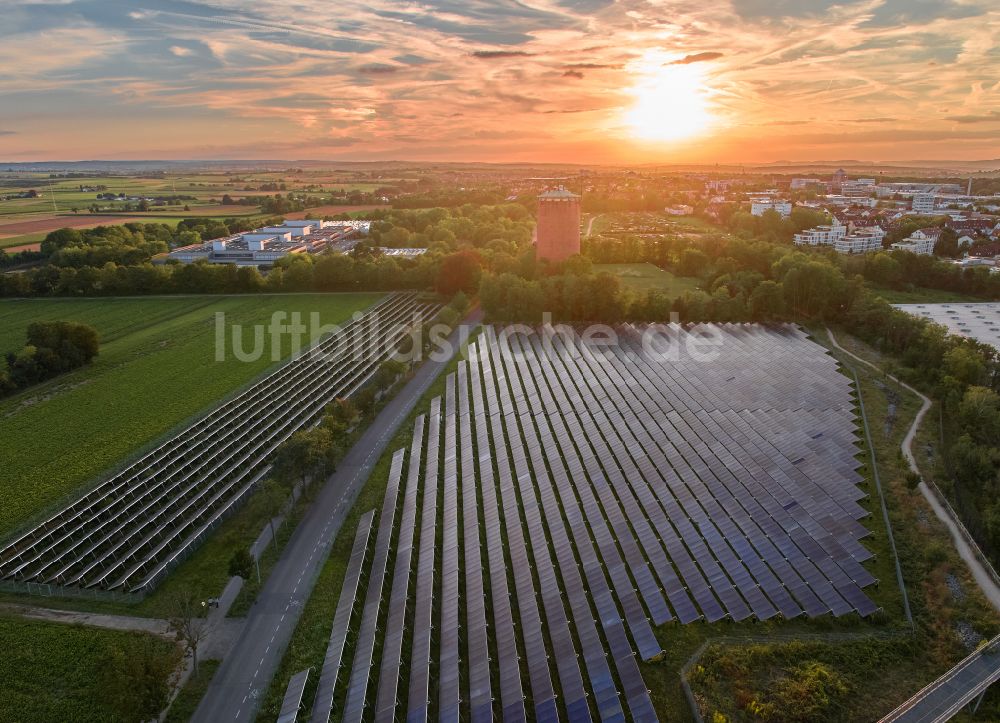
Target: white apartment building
{"points": [[821, 235], [861, 240], [923, 203], [760, 206], [921, 242]]}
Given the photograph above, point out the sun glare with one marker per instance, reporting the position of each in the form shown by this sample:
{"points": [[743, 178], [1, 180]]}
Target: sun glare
{"points": [[670, 101]]}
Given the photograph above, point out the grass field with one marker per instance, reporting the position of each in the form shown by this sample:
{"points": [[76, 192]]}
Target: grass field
{"points": [[156, 369], [647, 277], [51, 671]]}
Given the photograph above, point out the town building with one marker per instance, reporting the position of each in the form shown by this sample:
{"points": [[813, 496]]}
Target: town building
{"points": [[760, 206], [557, 233], [923, 203], [860, 240], [825, 235], [921, 242], [800, 184]]}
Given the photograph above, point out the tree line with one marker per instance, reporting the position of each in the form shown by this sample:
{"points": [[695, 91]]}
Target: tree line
{"points": [[52, 348]]}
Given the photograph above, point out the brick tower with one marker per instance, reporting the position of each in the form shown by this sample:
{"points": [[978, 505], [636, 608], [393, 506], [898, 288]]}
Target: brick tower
{"points": [[558, 230]]}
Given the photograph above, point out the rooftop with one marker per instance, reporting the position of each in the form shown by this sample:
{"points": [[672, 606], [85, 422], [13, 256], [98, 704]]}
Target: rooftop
{"points": [[557, 193]]}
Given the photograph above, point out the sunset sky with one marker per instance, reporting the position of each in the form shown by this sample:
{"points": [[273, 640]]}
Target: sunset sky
{"points": [[587, 81]]}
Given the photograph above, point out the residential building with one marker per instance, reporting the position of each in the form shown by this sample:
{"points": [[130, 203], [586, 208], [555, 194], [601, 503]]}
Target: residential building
{"points": [[825, 235], [921, 242], [862, 240], [759, 206], [799, 184]]}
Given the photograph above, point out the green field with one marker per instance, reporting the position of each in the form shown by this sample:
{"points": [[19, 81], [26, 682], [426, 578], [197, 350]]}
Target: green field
{"points": [[51, 671], [28, 238], [156, 370], [647, 277]]}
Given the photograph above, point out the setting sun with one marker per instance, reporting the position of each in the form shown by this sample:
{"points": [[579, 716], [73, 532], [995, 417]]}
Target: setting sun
{"points": [[670, 101]]}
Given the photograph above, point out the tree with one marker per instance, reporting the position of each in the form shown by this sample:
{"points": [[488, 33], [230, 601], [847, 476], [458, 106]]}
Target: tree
{"points": [[307, 454], [242, 564], [693, 262], [767, 301], [273, 498], [461, 271], [134, 680], [186, 621]]}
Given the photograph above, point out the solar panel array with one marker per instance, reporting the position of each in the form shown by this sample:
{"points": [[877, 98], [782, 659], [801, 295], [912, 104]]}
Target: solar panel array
{"points": [[129, 531], [572, 498]]}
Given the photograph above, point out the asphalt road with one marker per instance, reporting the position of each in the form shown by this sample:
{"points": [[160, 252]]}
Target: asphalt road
{"points": [[245, 675]]}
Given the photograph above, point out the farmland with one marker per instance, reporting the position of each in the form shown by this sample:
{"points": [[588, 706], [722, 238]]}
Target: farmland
{"points": [[156, 369], [647, 277], [53, 672]]}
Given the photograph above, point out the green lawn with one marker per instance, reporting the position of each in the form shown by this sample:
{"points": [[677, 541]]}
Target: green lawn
{"points": [[51, 672], [187, 700], [647, 277], [156, 370]]}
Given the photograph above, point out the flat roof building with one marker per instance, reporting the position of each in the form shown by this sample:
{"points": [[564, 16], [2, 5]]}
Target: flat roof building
{"points": [[263, 246]]}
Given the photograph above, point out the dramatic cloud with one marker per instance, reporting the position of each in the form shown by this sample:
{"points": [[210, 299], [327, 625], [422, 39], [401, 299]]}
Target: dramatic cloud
{"points": [[532, 80], [993, 117], [697, 58], [491, 54]]}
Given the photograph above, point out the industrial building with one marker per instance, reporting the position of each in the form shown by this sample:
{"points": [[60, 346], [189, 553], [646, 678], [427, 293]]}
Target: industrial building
{"points": [[979, 321], [558, 229], [263, 246]]}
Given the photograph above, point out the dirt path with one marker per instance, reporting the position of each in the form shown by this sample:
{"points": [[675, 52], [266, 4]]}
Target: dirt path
{"points": [[590, 224], [94, 620], [982, 576]]}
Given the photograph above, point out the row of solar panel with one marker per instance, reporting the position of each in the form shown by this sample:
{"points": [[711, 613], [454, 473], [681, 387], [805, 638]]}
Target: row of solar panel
{"points": [[146, 517], [620, 503]]}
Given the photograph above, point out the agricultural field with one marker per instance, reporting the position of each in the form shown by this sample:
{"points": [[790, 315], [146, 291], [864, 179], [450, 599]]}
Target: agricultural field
{"points": [[54, 672], [647, 277], [156, 369]]}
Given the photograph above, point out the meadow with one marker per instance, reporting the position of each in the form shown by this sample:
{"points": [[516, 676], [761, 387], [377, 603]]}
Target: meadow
{"points": [[52, 671], [644, 277], [156, 371]]}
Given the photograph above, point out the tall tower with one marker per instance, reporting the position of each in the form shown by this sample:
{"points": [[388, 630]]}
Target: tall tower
{"points": [[558, 229]]}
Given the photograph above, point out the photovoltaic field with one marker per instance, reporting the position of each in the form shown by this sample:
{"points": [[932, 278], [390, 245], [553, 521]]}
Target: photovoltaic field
{"points": [[129, 532], [562, 500]]}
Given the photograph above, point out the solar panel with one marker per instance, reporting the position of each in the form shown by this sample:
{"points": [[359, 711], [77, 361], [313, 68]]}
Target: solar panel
{"points": [[420, 655], [392, 646], [292, 702], [325, 691], [357, 690]]}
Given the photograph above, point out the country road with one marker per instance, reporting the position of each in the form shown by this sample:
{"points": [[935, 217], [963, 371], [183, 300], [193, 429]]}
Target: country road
{"points": [[246, 672], [983, 578]]}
